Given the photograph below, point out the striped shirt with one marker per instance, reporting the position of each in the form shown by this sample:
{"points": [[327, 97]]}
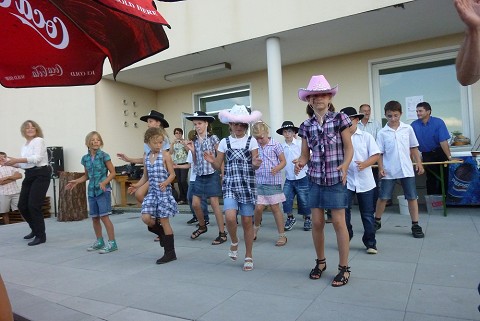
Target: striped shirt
{"points": [[269, 154], [203, 145], [325, 142]]}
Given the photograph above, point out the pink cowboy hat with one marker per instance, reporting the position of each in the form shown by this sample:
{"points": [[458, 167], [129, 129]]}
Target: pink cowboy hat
{"points": [[239, 114], [317, 85]]}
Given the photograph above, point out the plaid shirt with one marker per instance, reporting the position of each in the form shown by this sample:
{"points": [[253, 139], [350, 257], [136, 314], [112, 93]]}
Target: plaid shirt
{"points": [[270, 158], [325, 142], [97, 171], [12, 187], [201, 165]]}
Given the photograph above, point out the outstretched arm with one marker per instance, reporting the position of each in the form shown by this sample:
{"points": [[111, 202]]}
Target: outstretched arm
{"points": [[468, 58]]}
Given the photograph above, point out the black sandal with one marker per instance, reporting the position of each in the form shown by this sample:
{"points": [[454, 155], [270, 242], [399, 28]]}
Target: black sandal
{"points": [[316, 272], [340, 278], [201, 229], [221, 238]]}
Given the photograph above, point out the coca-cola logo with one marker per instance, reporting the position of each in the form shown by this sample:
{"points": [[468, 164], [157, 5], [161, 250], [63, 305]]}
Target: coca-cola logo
{"points": [[42, 71], [53, 30]]}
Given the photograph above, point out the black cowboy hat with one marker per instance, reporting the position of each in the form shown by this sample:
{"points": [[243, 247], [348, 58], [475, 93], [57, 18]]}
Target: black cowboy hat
{"points": [[287, 125], [352, 112], [157, 116], [201, 115]]}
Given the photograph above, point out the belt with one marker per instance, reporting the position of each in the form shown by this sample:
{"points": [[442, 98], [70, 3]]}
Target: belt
{"points": [[36, 167]]}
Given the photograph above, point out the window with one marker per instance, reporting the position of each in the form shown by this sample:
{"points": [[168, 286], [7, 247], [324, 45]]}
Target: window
{"points": [[213, 102], [426, 77]]}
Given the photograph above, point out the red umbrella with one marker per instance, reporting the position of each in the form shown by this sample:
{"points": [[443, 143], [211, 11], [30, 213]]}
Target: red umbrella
{"points": [[65, 42]]}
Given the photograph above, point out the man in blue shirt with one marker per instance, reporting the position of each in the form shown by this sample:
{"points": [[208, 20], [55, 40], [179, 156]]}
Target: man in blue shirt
{"points": [[432, 135]]}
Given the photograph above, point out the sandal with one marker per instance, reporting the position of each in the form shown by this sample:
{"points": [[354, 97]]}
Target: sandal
{"points": [[248, 264], [340, 278], [316, 272], [282, 240], [201, 229], [255, 231], [221, 238], [233, 254]]}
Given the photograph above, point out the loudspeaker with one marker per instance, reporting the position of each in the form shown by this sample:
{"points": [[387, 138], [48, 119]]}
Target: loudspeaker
{"points": [[55, 159]]}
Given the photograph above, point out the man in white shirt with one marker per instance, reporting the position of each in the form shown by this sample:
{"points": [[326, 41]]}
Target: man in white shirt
{"points": [[360, 181], [9, 190]]}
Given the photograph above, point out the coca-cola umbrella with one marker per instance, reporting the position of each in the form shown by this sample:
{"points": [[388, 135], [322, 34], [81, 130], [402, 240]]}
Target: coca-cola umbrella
{"points": [[65, 42]]}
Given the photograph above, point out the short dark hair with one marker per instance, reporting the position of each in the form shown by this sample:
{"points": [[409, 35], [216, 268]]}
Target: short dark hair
{"points": [[178, 130], [393, 105], [425, 105], [3, 153]]}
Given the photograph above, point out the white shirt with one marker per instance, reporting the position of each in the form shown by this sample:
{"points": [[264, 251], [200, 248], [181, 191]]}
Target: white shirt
{"points": [[364, 147], [237, 143], [35, 152], [395, 146], [372, 127], [293, 151], [193, 174]]}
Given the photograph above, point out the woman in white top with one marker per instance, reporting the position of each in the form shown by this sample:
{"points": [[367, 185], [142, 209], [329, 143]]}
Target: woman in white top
{"points": [[34, 160]]}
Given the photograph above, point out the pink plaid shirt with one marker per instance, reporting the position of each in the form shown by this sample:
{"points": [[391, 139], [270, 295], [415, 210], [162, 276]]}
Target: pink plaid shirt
{"points": [[10, 188]]}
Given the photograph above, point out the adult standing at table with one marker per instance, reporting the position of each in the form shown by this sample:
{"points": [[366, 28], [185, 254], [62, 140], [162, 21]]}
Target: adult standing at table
{"points": [[432, 135], [34, 160], [179, 156]]}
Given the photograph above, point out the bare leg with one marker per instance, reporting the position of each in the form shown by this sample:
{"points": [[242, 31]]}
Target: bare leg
{"points": [[318, 233], [277, 214], [197, 207], [380, 208], [218, 213], [248, 235], [413, 209], [97, 227], [338, 220], [148, 220], [258, 212], [166, 226], [108, 227], [231, 218]]}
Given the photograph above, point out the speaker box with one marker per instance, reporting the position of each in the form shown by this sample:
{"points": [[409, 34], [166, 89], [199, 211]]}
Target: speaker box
{"points": [[55, 159]]}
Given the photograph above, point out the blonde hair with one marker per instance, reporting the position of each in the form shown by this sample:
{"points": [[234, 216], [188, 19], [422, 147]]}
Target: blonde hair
{"points": [[89, 137], [153, 132], [260, 128], [23, 128]]}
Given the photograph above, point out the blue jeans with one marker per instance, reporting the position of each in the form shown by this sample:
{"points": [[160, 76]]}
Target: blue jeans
{"points": [[365, 205], [204, 201], [299, 188]]}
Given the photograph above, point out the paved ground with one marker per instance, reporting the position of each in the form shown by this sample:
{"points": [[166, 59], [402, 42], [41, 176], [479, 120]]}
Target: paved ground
{"points": [[431, 279]]}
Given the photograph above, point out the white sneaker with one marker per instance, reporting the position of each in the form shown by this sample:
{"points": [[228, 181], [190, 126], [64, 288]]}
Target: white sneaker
{"points": [[372, 250]]}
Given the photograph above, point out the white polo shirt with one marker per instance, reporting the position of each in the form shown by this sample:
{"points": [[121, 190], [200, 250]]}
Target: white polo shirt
{"points": [[293, 151], [395, 146], [364, 147]]}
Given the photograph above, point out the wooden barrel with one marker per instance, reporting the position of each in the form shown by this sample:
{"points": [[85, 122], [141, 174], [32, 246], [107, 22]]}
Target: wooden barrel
{"points": [[72, 205]]}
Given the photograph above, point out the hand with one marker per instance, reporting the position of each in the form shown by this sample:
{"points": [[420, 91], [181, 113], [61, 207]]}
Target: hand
{"points": [[274, 171], [189, 145], [469, 12], [103, 186], [71, 185], [122, 157], [298, 165], [10, 161], [360, 165], [344, 169], [132, 189], [381, 173], [209, 157], [256, 161], [163, 186], [420, 169]]}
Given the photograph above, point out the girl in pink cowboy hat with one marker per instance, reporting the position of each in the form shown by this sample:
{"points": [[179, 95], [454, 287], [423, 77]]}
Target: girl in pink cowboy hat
{"points": [[239, 152], [327, 137]]}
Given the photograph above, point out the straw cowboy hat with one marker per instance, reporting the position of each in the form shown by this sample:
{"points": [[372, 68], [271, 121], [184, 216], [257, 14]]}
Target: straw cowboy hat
{"points": [[201, 115], [157, 116], [239, 114], [287, 125], [317, 85], [352, 112]]}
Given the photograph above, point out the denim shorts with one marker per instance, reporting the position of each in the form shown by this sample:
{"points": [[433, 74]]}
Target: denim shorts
{"points": [[328, 197], [244, 209], [408, 185], [100, 205], [208, 186]]}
